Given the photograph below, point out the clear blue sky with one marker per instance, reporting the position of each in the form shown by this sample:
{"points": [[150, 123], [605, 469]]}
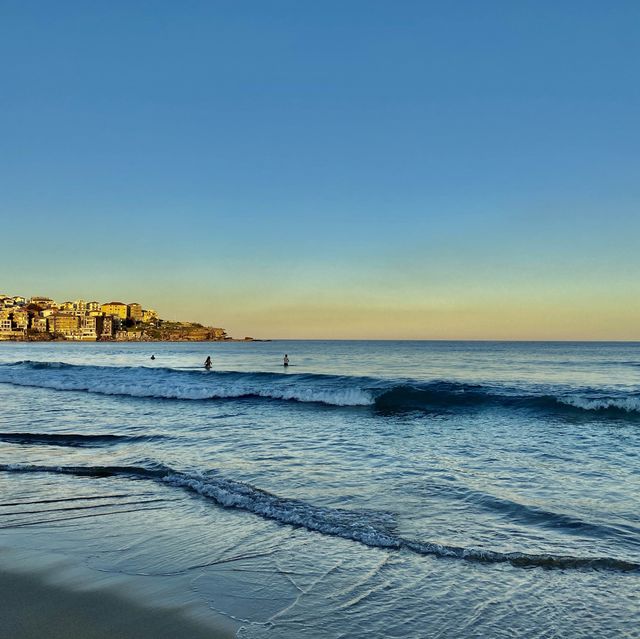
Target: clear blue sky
{"points": [[328, 169]]}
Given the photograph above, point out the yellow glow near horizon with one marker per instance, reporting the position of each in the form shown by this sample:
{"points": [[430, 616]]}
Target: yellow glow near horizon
{"points": [[503, 322]]}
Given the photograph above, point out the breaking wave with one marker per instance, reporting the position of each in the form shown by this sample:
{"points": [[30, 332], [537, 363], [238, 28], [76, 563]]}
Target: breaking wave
{"points": [[369, 528], [331, 390], [168, 383]]}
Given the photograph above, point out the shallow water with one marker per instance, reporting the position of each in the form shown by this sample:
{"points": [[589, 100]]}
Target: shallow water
{"points": [[400, 489]]}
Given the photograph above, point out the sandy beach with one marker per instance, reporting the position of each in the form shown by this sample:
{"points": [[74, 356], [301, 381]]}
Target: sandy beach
{"points": [[60, 602]]}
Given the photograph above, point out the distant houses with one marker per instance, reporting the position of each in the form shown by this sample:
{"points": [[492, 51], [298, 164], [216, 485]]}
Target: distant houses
{"points": [[117, 309], [41, 318]]}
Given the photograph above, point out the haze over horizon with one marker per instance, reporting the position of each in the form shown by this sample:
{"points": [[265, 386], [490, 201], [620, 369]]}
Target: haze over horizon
{"points": [[340, 170]]}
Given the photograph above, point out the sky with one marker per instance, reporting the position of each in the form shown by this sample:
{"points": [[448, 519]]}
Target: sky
{"points": [[354, 169]]}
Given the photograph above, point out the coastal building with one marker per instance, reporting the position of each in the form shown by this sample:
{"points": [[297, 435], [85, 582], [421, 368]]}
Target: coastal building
{"points": [[39, 325], [96, 327], [42, 302], [20, 319], [13, 323], [118, 309], [65, 324], [149, 315], [105, 327], [135, 311], [88, 330]]}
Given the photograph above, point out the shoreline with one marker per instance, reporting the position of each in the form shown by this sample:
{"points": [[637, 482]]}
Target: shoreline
{"points": [[51, 597]]}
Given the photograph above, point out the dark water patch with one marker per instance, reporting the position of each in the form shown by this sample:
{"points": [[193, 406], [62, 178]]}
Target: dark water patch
{"points": [[371, 529], [12, 513], [74, 439], [58, 520], [67, 499]]}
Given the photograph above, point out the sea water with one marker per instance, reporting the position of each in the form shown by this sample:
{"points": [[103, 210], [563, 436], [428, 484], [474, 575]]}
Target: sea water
{"points": [[370, 489]]}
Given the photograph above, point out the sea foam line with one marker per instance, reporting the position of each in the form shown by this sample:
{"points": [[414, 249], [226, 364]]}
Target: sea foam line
{"points": [[332, 390], [369, 529]]}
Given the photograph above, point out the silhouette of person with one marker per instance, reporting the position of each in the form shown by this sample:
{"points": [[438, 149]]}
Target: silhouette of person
{"points": [[286, 360], [207, 362]]}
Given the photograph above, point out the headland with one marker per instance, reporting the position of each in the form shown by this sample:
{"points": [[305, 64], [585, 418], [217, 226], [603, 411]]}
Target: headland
{"points": [[43, 319]]}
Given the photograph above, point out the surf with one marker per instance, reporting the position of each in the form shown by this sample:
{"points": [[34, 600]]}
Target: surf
{"points": [[368, 528], [381, 394]]}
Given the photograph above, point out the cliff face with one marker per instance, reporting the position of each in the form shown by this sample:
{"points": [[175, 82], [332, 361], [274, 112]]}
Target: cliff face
{"points": [[182, 331]]}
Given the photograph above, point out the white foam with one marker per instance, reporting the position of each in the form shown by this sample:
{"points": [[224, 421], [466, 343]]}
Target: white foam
{"points": [[342, 523], [347, 524], [335, 391], [176, 385], [628, 404]]}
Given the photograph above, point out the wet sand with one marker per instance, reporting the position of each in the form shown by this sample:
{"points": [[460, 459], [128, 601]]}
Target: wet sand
{"points": [[35, 605]]}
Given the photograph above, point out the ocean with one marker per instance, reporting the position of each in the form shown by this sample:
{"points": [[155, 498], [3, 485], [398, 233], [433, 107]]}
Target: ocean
{"points": [[371, 489]]}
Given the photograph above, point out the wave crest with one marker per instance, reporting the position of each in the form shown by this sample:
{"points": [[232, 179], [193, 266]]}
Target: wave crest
{"points": [[371, 529], [332, 390]]}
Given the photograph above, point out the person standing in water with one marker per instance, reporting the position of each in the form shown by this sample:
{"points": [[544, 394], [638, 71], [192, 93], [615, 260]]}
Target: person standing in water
{"points": [[286, 360], [207, 362]]}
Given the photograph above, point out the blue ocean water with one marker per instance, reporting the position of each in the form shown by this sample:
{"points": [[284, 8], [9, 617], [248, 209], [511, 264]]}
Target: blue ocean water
{"points": [[372, 489]]}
